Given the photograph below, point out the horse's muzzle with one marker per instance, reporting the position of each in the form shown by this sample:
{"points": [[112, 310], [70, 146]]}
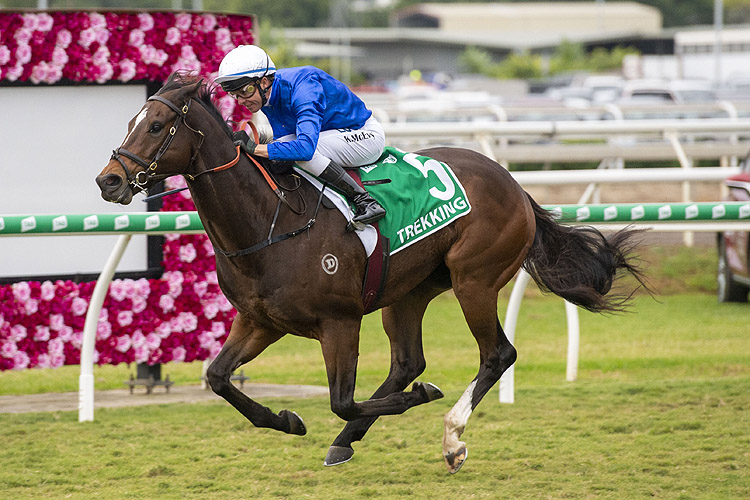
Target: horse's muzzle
{"points": [[114, 189]]}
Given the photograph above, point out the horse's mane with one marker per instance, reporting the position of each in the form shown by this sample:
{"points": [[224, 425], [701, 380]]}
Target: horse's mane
{"points": [[205, 96]]}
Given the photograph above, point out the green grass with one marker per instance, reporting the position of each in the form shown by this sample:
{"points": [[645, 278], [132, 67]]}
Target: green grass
{"points": [[660, 409]]}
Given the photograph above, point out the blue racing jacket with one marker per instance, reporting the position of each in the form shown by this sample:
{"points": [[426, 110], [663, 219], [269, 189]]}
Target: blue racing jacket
{"points": [[305, 101]]}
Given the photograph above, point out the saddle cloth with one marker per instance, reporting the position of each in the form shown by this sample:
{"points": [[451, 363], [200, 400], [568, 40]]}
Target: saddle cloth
{"points": [[420, 195]]}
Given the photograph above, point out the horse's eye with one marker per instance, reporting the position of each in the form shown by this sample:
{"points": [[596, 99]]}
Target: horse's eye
{"points": [[156, 127]]}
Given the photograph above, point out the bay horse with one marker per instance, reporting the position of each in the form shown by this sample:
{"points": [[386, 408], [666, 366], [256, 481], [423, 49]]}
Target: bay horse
{"points": [[285, 289]]}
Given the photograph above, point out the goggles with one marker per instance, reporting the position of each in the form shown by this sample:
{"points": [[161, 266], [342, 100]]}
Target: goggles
{"points": [[244, 92]]}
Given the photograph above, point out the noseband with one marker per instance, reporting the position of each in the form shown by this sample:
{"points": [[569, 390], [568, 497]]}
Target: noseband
{"points": [[148, 174]]}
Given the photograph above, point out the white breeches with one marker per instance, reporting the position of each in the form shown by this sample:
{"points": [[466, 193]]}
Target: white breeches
{"points": [[345, 147]]}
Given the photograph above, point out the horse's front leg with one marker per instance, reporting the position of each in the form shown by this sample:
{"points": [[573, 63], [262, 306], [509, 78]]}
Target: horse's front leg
{"points": [[247, 340], [340, 346]]}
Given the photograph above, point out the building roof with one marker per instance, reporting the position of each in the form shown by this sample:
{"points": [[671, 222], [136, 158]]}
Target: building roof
{"points": [[538, 17]]}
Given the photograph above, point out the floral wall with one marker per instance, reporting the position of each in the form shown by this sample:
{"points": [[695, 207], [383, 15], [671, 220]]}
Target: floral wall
{"points": [[182, 316]]}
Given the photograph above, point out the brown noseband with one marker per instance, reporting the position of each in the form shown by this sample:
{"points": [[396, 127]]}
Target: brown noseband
{"points": [[139, 181]]}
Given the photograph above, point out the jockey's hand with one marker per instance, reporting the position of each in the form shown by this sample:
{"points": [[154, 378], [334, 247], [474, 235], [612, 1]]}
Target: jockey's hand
{"points": [[244, 141]]}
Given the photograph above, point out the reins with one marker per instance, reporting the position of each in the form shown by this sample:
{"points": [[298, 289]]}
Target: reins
{"points": [[150, 173]]}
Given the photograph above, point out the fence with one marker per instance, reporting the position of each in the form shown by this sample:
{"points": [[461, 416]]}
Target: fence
{"points": [[698, 216]]}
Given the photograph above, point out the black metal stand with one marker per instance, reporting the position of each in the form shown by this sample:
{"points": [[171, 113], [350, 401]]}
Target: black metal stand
{"points": [[149, 376]]}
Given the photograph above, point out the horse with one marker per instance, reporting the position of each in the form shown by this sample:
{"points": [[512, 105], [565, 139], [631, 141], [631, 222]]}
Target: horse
{"points": [[283, 289]]}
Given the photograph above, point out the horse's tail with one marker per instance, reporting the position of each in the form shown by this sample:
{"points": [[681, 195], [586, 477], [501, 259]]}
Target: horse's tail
{"points": [[579, 263]]}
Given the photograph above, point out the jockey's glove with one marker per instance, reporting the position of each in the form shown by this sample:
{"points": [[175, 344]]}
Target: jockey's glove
{"points": [[241, 139]]}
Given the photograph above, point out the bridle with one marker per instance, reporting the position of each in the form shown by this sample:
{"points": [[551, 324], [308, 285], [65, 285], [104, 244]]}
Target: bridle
{"points": [[139, 181]]}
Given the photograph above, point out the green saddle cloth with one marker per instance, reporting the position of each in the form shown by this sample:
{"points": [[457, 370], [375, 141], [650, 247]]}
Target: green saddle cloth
{"points": [[421, 195]]}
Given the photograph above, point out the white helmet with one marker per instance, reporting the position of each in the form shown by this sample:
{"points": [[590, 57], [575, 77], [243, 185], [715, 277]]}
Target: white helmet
{"points": [[242, 65]]}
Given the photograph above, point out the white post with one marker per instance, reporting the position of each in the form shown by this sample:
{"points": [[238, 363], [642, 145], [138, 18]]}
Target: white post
{"points": [[571, 371], [511, 319], [86, 379]]}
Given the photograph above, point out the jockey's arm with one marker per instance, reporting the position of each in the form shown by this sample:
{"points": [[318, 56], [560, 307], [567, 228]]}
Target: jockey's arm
{"points": [[261, 150]]}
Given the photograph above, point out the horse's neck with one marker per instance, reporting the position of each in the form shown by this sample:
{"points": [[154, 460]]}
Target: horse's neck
{"points": [[235, 205]]}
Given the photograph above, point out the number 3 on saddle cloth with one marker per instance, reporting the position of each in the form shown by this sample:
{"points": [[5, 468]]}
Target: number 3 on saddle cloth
{"points": [[421, 196]]}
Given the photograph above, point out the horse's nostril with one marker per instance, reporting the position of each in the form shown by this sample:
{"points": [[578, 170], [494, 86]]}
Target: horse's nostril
{"points": [[109, 182]]}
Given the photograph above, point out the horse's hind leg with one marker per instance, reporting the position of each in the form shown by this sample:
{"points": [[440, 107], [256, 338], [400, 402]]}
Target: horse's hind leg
{"points": [[245, 341], [496, 354], [402, 322]]}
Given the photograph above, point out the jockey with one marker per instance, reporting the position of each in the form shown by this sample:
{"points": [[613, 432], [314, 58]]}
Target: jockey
{"points": [[317, 121]]}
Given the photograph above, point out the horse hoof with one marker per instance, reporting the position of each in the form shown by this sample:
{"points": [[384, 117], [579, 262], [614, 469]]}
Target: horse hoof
{"points": [[454, 461], [431, 391], [338, 455], [296, 425]]}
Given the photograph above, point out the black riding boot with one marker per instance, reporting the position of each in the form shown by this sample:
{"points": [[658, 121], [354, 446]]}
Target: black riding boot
{"points": [[367, 210]]}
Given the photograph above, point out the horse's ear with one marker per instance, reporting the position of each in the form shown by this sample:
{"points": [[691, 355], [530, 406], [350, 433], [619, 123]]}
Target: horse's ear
{"points": [[194, 87]]}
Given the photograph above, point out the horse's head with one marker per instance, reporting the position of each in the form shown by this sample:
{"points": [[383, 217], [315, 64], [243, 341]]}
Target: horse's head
{"points": [[160, 143]]}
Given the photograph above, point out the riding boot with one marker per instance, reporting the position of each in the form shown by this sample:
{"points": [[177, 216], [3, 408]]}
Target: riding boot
{"points": [[367, 210]]}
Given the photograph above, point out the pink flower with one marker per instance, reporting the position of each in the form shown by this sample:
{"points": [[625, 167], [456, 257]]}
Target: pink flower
{"points": [[142, 288], [123, 343], [166, 302], [118, 290], [31, 306], [56, 322], [208, 22], [15, 72], [183, 21], [64, 38], [101, 56], [164, 330], [223, 37], [141, 354], [138, 338], [8, 349], [98, 20], [147, 22], [76, 340], [87, 37], [125, 318], [55, 347], [57, 360], [153, 341], [173, 36], [224, 304], [79, 306], [178, 354], [200, 288], [212, 278], [30, 22], [45, 22], [189, 320], [136, 38], [106, 71], [65, 334], [188, 253], [23, 54], [210, 310], [17, 333], [206, 340], [47, 291], [218, 329], [186, 52], [21, 291], [127, 70], [4, 55], [44, 361], [103, 330], [23, 36], [21, 360], [39, 73], [139, 305], [42, 334]]}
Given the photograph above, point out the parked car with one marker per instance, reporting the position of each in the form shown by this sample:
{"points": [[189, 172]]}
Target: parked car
{"points": [[674, 91], [733, 276]]}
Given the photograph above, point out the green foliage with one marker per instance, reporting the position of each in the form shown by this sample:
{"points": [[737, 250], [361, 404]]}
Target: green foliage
{"points": [[568, 57]]}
